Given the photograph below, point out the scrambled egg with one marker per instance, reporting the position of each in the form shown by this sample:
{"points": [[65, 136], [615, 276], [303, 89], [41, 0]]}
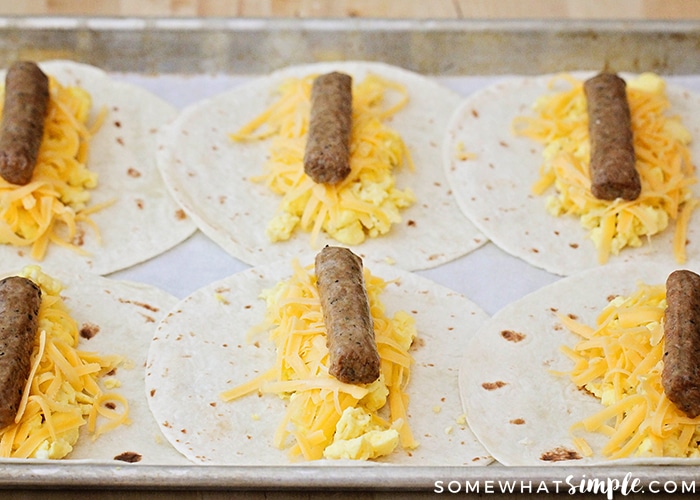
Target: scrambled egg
{"points": [[358, 438], [660, 143], [59, 448]]}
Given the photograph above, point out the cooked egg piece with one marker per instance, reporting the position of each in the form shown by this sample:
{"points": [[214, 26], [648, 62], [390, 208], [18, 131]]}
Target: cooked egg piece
{"points": [[357, 438]]}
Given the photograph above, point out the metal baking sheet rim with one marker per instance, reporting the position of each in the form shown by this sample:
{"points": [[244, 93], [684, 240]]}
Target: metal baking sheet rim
{"points": [[365, 477], [434, 46]]}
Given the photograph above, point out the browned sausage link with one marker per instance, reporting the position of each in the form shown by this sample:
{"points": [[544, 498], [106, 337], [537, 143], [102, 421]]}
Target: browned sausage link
{"points": [[22, 126], [352, 348], [680, 377], [20, 299], [612, 164], [327, 154]]}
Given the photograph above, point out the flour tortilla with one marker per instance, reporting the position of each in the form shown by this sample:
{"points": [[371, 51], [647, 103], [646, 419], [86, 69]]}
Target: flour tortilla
{"points": [[494, 189], [125, 314], [208, 174], [202, 348], [531, 414], [144, 221]]}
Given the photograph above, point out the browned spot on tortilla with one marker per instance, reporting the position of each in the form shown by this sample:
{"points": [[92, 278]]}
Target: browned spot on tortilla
{"points": [[492, 386], [79, 238], [149, 319], [112, 372], [557, 327], [556, 233], [475, 113], [213, 404], [118, 124], [573, 245], [586, 391], [560, 454], [129, 456], [503, 143], [180, 214], [120, 141], [418, 342], [553, 309], [517, 421], [110, 405], [139, 304], [153, 392], [572, 316], [139, 204], [611, 298], [535, 250], [222, 199], [132, 172], [89, 330], [512, 336], [411, 223]]}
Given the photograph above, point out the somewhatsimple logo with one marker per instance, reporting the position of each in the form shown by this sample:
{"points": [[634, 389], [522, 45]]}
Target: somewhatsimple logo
{"points": [[608, 486]]}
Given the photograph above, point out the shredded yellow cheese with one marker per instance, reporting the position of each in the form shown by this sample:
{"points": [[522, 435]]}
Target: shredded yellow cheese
{"points": [[325, 417], [52, 206], [662, 159], [62, 393], [367, 202], [620, 361]]}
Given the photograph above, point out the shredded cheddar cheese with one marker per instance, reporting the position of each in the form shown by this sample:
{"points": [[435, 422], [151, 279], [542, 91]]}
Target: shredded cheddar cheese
{"points": [[62, 393], [325, 417], [662, 160], [367, 202], [50, 208], [620, 361]]}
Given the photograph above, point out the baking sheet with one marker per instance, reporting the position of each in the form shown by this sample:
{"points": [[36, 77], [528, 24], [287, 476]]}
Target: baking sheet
{"points": [[439, 47], [187, 60]]}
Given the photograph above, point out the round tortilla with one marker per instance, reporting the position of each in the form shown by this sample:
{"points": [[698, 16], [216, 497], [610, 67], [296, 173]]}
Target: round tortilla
{"points": [[144, 221], [124, 315], [494, 189], [208, 174], [202, 348], [517, 408]]}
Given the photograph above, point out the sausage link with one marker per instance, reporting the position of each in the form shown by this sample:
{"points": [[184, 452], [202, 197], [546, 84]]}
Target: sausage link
{"points": [[612, 163], [20, 299], [352, 348], [680, 377], [22, 125], [327, 154]]}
